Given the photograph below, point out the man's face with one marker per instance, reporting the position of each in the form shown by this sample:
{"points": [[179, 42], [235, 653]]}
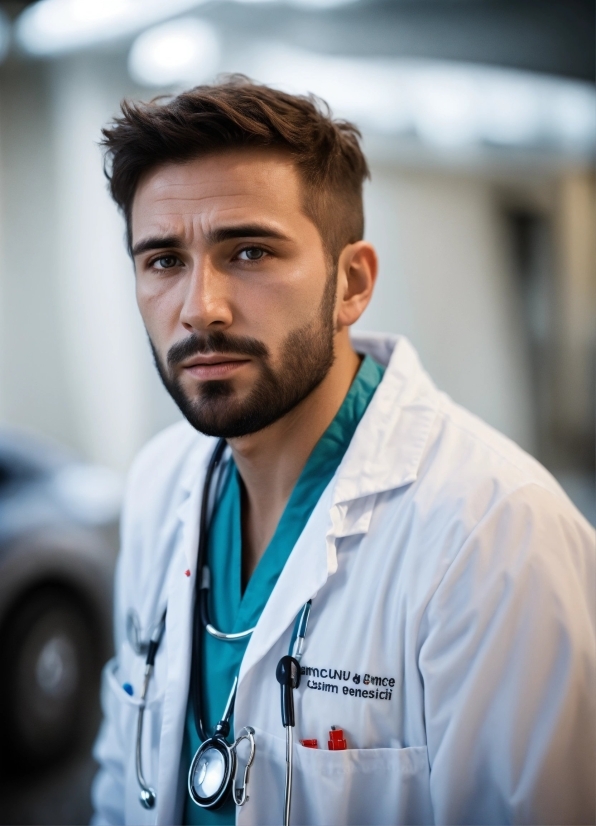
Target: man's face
{"points": [[234, 287]]}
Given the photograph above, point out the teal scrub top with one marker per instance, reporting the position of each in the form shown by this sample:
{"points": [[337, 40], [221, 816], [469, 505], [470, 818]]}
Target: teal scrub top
{"points": [[231, 609]]}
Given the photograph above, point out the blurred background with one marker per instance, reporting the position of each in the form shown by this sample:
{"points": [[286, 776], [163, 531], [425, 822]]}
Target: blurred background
{"points": [[479, 120]]}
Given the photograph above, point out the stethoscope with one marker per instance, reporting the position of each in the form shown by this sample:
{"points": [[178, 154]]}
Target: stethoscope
{"points": [[213, 770], [147, 795]]}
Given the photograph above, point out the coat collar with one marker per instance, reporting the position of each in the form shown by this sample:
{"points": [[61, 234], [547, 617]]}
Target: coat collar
{"points": [[389, 442]]}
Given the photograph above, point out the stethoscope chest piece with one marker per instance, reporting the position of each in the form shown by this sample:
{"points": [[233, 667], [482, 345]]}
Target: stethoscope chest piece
{"points": [[213, 771]]}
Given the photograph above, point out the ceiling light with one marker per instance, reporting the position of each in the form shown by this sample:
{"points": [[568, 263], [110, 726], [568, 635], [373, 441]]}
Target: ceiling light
{"points": [[574, 112], [442, 106], [309, 4], [320, 4], [446, 104], [54, 26], [51, 27], [182, 52]]}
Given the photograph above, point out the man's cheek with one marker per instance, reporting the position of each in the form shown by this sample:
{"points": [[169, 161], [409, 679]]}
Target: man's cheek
{"points": [[157, 302], [162, 334]]}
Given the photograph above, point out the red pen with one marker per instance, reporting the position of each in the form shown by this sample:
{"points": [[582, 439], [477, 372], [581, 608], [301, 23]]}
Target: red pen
{"points": [[336, 740]]}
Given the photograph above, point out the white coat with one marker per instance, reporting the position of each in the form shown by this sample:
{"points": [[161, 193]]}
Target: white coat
{"points": [[449, 573]]}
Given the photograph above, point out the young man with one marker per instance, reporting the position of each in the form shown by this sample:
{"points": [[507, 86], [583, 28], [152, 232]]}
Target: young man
{"points": [[450, 641]]}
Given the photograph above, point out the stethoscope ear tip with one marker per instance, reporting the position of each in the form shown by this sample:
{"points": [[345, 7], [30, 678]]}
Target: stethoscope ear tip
{"points": [[147, 798]]}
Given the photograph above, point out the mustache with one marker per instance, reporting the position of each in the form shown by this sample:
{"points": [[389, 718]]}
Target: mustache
{"points": [[216, 342]]}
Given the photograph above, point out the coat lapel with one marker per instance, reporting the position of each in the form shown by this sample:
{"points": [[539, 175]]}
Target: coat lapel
{"points": [[178, 638], [304, 573]]}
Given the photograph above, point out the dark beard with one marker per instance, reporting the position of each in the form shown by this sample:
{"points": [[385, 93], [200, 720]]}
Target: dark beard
{"points": [[306, 357]]}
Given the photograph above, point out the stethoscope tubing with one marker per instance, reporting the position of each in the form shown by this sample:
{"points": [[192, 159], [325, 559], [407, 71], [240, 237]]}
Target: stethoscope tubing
{"points": [[203, 597], [200, 621], [197, 648], [147, 792], [147, 796], [289, 774]]}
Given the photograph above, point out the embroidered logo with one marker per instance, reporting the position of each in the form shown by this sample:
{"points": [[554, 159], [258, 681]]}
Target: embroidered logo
{"points": [[371, 687]]}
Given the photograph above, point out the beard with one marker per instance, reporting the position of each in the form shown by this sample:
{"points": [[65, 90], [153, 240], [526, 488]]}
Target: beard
{"points": [[306, 357]]}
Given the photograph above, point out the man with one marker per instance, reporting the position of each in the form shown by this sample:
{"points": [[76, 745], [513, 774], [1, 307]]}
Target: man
{"points": [[447, 672]]}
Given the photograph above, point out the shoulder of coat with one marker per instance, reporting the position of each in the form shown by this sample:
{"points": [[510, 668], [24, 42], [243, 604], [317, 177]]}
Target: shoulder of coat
{"points": [[485, 453]]}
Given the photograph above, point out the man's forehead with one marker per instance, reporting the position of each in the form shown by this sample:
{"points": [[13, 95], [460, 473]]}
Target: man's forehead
{"points": [[225, 175], [235, 187], [228, 185]]}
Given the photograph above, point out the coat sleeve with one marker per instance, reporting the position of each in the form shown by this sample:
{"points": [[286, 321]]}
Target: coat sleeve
{"points": [[507, 659]]}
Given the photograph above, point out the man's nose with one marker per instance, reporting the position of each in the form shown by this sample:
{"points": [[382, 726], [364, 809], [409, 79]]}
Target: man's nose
{"points": [[206, 303]]}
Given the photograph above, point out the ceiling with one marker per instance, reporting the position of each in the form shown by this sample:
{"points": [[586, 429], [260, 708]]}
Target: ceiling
{"points": [[547, 36]]}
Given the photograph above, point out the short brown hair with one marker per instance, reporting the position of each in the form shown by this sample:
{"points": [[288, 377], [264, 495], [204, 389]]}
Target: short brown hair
{"points": [[236, 113]]}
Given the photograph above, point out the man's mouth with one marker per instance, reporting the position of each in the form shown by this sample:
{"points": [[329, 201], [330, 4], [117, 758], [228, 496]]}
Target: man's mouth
{"points": [[213, 365]]}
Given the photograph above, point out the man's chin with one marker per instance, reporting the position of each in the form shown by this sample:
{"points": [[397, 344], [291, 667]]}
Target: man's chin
{"points": [[221, 414], [230, 409]]}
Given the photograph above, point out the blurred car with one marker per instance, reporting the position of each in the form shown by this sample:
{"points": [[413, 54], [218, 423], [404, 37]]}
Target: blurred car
{"points": [[58, 543]]}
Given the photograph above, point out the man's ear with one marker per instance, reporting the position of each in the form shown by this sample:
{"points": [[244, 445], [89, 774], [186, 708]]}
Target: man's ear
{"points": [[356, 276]]}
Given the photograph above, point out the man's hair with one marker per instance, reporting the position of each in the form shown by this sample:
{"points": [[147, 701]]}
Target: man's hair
{"points": [[234, 114]]}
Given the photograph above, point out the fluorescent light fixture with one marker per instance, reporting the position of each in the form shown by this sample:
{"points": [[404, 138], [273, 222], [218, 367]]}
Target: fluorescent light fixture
{"points": [[574, 111], [358, 89], [442, 107], [448, 105], [183, 51], [51, 27], [308, 4], [320, 4]]}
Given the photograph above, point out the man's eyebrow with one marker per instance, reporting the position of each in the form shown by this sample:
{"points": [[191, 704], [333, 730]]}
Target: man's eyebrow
{"points": [[217, 236], [157, 242]]}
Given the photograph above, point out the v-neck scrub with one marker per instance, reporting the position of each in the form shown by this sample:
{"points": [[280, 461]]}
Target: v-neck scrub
{"points": [[231, 610]]}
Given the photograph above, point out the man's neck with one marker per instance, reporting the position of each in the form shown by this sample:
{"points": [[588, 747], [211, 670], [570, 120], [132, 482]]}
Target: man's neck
{"points": [[269, 462]]}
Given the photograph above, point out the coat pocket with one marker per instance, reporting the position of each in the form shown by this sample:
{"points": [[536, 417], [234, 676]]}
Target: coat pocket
{"points": [[118, 687], [355, 786]]}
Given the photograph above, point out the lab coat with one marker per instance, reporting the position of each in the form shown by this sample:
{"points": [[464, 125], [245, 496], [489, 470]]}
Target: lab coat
{"points": [[452, 632]]}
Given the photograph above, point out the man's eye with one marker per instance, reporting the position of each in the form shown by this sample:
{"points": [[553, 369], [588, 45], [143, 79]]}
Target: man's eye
{"points": [[165, 262], [251, 254]]}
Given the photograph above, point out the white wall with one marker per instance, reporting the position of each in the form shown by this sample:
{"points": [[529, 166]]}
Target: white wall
{"points": [[103, 339], [445, 283], [34, 391], [76, 365]]}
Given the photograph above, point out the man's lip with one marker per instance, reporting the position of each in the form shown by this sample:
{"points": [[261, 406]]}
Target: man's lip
{"points": [[212, 358], [207, 368]]}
